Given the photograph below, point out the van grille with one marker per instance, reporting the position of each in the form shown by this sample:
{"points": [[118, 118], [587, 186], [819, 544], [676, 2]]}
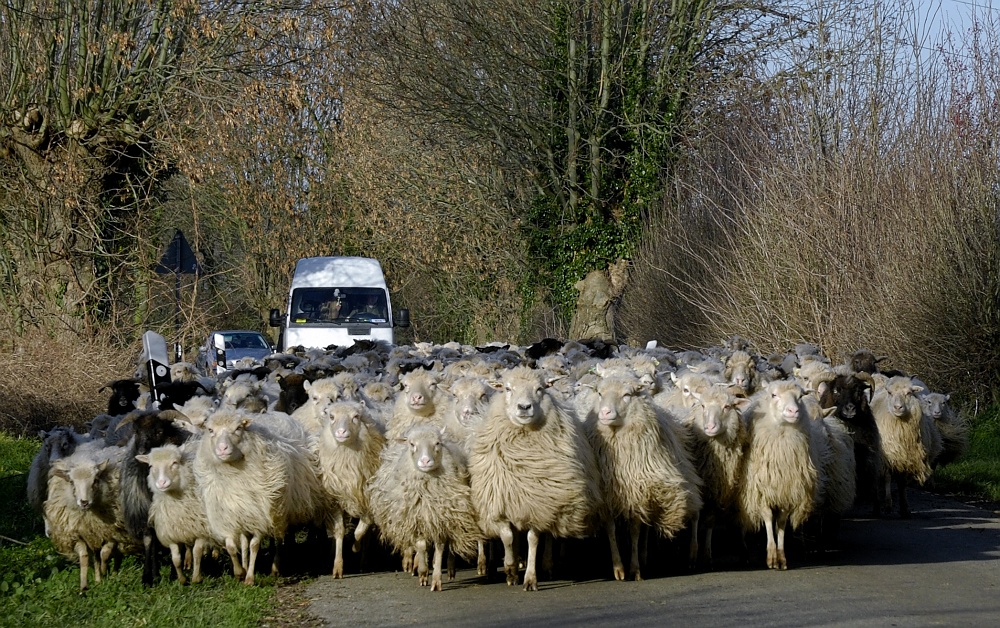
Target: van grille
{"points": [[359, 330]]}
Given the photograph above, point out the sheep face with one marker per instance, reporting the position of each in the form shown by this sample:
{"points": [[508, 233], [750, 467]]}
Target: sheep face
{"points": [[615, 396], [164, 468], [901, 393], [85, 478], [719, 415], [425, 448], [524, 391], [935, 405], [152, 431], [740, 371], [345, 420], [785, 402], [225, 432], [420, 388], [60, 442], [472, 395]]}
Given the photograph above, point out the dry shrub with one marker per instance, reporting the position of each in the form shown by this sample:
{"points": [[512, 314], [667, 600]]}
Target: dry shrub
{"points": [[44, 382], [886, 236]]}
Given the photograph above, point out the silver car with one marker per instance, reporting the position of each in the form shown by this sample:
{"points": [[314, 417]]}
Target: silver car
{"points": [[224, 348]]}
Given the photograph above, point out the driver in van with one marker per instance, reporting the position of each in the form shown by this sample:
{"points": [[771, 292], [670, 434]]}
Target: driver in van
{"points": [[370, 306]]}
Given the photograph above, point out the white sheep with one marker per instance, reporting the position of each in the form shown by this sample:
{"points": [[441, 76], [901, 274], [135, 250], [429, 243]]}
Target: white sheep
{"points": [[59, 442], [953, 427], [177, 512], [910, 439], [647, 475], [741, 372], [532, 469], [781, 475], [420, 495], [420, 401], [718, 445], [81, 510], [255, 482], [348, 448]]}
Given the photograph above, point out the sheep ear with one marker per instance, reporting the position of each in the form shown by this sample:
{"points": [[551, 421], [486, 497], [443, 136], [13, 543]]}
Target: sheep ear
{"points": [[829, 411], [881, 358], [742, 403], [244, 423], [673, 376], [60, 472], [916, 390], [552, 379], [102, 465], [598, 370], [143, 458], [496, 385]]}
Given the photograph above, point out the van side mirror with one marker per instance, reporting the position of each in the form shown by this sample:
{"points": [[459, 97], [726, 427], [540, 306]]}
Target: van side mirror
{"points": [[403, 319], [275, 318]]}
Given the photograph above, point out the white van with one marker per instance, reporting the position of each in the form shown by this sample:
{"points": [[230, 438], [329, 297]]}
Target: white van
{"points": [[335, 301]]}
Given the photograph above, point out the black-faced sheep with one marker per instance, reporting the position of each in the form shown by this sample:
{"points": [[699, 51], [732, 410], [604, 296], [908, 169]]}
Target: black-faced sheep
{"points": [[420, 495], [532, 469], [781, 475], [647, 476]]}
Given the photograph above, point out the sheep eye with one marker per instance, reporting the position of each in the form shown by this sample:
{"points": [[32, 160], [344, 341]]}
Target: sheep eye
{"points": [[626, 398]]}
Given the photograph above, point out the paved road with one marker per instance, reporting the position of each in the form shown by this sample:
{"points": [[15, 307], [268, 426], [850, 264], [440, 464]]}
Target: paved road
{"points": [[942, 567]]}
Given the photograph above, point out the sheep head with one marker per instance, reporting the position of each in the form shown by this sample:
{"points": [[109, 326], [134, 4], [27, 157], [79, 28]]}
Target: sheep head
{"points": [[524, 395], [425, 446], [225, 433], [84, 476], [420, 389], [615, 396], [785, 401]]}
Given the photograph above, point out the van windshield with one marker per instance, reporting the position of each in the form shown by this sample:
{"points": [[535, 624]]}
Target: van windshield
{"points": [[339, 305]]}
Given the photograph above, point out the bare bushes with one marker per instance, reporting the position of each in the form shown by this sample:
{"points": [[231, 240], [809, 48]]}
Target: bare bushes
{"points": [[789, 224]]}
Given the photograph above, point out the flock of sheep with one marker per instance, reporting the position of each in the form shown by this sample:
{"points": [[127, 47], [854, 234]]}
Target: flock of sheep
{"points": [[445, 448]]}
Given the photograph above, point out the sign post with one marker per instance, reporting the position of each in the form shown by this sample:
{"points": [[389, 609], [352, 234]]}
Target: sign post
{"points": [[178, 259]]}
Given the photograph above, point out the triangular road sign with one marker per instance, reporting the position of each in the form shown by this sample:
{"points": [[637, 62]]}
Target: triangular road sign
{"points": [[179, 258]]}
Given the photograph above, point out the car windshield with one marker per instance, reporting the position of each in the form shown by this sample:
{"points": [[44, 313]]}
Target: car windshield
{"points": [[245, 341], [342, 305]]}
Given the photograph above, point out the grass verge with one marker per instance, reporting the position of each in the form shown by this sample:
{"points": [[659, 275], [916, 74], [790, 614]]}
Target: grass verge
{"points": [[977, 474], [38, 587]]}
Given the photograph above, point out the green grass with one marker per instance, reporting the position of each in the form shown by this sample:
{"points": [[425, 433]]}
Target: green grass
{"points": [[977, 474], [38, 587]]}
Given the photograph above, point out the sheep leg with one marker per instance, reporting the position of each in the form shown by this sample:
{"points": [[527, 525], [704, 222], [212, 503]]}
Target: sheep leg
{"points": [[548, 564], [84, 555], [481, 560], [781, 525], [707, 550], [772, 548], [693, 548], [188, 557], [530, 575], [509, 562], [175, 556], [887, 494], [616, 558], [438, 553], [278, 544], [359, 533], [244, 549], [338, 532], [422, 562], [408, 562], [254, 548], [151, 547], [904, 503], [106, 551], [235, 556], [199, 552], [635, 530], [452, 571]]}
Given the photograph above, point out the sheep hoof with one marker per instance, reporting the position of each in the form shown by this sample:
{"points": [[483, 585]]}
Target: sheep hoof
{"points": [[619, 573], [511, 575], [481, 567], [436, 584], [338, 573], [636, 575], [423, 580], [530, 584]]}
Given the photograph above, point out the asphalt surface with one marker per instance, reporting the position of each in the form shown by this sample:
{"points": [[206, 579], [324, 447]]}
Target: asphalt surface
{"points": [[939, 568]]}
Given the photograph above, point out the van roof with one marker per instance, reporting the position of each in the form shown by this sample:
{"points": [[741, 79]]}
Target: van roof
{"points": [[341, 271]]}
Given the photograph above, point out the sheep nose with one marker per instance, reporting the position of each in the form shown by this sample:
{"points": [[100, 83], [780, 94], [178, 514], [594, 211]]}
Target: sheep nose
{"points": [[84, 504], [162, 483], [341, 434], [524, 407], [416, 399]]}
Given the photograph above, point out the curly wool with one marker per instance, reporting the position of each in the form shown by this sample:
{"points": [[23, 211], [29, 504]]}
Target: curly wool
{"points": [[410, 505], [542, 477]]}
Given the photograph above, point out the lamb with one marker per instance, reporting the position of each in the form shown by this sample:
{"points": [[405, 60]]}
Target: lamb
{"points": [[150, 429], [348, 448], [420, 495], [59, 442], [255, 482], [910, 440], [176, 511], [647, 475], [81, 509], [781, 471], [718, 445], [532, 469]]}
